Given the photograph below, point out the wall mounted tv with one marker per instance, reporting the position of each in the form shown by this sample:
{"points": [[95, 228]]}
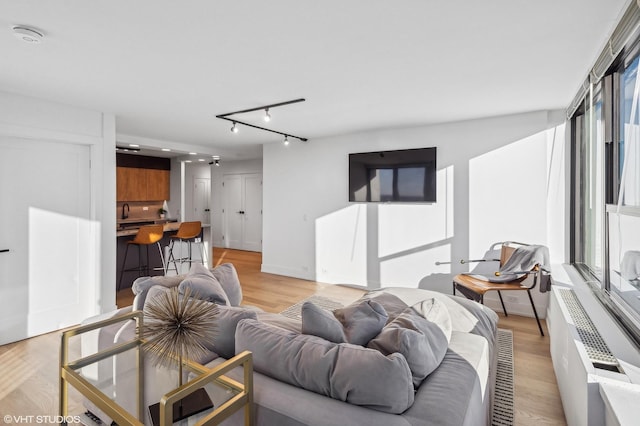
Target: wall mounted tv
{"points": [[405, 176]]}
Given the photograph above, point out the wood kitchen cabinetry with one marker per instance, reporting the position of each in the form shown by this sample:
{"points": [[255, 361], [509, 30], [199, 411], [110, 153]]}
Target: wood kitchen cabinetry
{"points": [[157, 184], [129, 184], [135, 181]]}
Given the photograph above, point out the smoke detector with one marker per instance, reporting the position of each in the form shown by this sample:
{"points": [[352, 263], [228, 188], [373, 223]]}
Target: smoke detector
{"points": [[28, 35]]}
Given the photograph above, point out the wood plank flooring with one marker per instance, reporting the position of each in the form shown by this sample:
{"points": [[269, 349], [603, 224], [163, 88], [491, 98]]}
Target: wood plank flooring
{"points": [[29, 380], [537, 398], [29, 368]]}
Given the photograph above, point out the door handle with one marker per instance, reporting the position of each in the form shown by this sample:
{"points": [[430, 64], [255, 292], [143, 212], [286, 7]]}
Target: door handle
{"points": [[4, 250]]}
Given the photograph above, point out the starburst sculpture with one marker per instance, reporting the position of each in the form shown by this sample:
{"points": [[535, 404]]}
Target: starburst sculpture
{"points": [[176, 327]]}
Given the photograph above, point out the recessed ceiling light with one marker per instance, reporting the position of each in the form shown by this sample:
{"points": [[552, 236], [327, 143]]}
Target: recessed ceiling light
{"points": [[187, 161], [166, 149], [200, 159], [28, 35], [127, 149], [134, 145], [193, 153]]}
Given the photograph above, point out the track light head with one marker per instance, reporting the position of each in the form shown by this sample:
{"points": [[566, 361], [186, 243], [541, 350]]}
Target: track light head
{"points": [[286, 140], [267, 116], [234, 128], [216, 162]]}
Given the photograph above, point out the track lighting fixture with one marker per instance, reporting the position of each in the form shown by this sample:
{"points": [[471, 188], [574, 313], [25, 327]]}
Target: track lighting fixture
{"points": [[286, 140], [215, 160], [267, 117]]}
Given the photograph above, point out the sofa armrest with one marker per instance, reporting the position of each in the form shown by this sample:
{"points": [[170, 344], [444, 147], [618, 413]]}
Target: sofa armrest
{"points": [[95, 341], [101, 338]]}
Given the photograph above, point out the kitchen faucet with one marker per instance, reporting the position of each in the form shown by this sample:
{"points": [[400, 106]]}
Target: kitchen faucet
{"points": [[125, 215]]}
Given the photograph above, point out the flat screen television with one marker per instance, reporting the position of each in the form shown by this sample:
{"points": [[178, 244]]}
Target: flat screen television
{"points": [[405, 176]]}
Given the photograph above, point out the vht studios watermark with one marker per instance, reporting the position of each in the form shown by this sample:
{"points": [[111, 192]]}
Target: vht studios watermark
{"points": [[41, 420]]}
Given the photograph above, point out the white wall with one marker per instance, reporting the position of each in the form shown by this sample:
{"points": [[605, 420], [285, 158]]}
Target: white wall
{"points": [[175, 190], [217, 177], [45, 121], [495, 180]]}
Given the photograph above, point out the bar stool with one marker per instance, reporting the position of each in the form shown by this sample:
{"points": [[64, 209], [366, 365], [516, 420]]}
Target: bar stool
{"points": [[187, 233], [146, 235]]}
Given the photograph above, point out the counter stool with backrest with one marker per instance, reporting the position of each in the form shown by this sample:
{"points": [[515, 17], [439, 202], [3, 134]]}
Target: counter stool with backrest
{"points": [[187, 234], [146, 236]]}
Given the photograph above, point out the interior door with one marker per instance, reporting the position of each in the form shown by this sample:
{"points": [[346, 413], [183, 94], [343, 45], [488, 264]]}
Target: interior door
{"points": [[45, 277], [243, 211], [252, 217], [201, 198], [233, 211]]}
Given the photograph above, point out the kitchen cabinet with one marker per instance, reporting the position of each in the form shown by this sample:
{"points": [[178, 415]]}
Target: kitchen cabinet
{"points": [[137, 184], [131, 185], [157, 184]]}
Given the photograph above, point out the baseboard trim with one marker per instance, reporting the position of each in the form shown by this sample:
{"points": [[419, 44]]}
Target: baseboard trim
{"points": [[287, 271]]}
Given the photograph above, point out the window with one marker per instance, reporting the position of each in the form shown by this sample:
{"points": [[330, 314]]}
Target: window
{"points": [[629, 145], [623, 278], [588, 145], [606, 189], [622, 281]]}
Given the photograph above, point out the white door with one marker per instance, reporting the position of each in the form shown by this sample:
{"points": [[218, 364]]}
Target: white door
{"points": [[233, 211], [201, 197], [243, 211], [45, 276], [252, 216]]}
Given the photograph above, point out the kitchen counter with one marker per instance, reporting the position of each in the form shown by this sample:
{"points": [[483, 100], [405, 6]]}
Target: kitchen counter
{"points": [[124, 236], [127, 227]]}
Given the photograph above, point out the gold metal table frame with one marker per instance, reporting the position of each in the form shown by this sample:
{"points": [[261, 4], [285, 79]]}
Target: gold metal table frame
{"points": [[69, 375]]}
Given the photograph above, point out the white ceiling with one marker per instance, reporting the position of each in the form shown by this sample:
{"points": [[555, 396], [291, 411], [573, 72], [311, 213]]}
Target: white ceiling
{"points": [[166, 68]]}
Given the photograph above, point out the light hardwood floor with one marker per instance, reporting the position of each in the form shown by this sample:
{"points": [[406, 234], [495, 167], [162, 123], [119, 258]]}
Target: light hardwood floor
{"points": [[28, 369]]}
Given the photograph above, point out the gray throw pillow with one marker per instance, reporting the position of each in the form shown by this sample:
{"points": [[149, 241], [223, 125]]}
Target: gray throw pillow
{"points": [[322, 323], [342, 371], [421, 342], [142, 285], [223, 342], [228, 278], [391, 303], [362, 321], [203, 285], [154, 292]]}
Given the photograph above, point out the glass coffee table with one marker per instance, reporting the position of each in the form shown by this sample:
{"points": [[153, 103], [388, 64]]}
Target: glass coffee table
{"points": [[119, 383]]}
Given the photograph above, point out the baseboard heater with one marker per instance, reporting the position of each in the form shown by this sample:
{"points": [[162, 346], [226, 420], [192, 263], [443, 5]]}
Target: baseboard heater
{"points": [[597, 350]]}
